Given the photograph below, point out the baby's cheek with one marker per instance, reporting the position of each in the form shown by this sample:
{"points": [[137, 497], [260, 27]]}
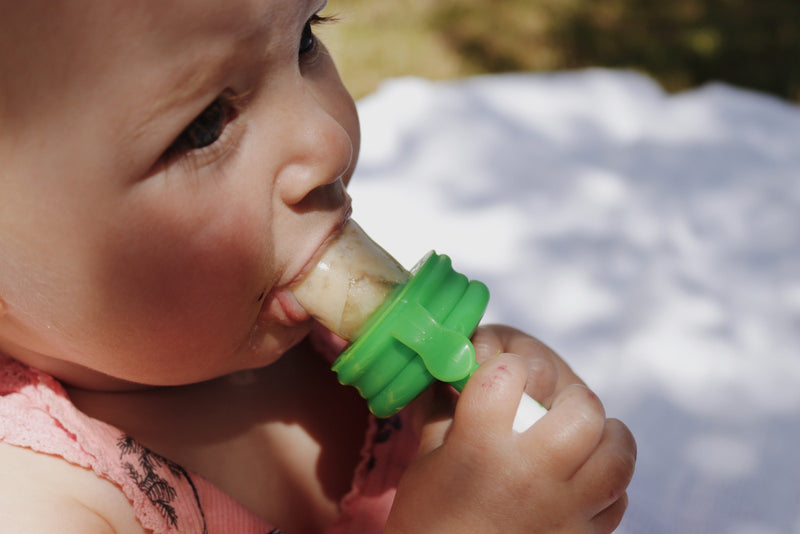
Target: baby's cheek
{"points": [[181, 289]]}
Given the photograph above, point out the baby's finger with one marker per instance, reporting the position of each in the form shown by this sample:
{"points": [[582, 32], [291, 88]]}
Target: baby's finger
{"points": [[542, 379], [549, 373], [606, 474], [487, 343], [490, 398], [433, 414], [609, 519], [569, 433], [564, 375]]}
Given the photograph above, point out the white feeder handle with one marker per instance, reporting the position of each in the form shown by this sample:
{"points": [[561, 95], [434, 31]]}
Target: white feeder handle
{"points": [[528, 412]]}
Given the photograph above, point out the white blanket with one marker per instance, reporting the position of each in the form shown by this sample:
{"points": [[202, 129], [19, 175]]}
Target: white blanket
{"points": [[652, 240]]}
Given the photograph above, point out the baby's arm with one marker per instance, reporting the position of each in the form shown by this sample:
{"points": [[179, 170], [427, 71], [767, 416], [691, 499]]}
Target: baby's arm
{"points": [[567, 473], [41, 494]]}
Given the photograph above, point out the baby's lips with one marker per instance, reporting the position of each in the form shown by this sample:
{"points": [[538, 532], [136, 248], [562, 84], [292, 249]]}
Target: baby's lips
{"points": [[291, 306], [281, 307]]}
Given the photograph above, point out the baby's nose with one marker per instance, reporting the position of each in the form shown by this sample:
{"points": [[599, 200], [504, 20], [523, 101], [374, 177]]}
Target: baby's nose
{"points": [[321, 151]]}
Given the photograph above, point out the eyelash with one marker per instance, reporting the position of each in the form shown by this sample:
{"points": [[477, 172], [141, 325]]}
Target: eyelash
{"points": [[221, 114], [308, 33]]}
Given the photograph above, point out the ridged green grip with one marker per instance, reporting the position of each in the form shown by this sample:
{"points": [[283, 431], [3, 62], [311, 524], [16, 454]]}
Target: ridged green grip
{"points": [[420, 334]]}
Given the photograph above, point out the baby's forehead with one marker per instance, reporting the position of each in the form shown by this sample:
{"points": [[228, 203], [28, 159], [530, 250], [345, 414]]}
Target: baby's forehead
{"points": [[53, 48], [100, 27], [42, 17], [233, 18]]}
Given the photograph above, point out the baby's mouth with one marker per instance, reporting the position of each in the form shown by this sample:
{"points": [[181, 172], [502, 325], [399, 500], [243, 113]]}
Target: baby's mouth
{"points": [[281, 304], [291, 308], [347, 282]]}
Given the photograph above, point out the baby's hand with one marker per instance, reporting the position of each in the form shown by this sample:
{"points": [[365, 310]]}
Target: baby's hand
{"points": [[567, 473]]}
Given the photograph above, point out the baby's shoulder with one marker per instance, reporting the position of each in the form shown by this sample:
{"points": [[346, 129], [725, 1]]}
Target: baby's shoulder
{"points": [[40, 493]]}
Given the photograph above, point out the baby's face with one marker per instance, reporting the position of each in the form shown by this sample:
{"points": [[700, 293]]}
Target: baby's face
{"points": [[168, 167]]}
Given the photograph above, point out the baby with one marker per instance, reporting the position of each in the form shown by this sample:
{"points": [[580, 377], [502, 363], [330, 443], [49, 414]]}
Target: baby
{"points": [[168, 169]]}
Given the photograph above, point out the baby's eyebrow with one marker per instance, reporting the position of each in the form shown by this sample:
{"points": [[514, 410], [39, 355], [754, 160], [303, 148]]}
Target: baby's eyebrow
{"points": [[192, 83], [232, 37], [222, 46], [187, 85], [189, 88]]}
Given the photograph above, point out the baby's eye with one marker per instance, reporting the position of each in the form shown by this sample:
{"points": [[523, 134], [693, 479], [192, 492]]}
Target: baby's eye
{"points": [[205, 129], [309, 41]]}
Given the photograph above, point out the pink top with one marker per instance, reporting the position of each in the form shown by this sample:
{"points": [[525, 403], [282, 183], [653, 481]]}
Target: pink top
{"points": [[35, 412]]}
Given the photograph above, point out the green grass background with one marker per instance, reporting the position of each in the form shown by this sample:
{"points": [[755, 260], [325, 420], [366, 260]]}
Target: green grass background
{"points": [[681, 43]]}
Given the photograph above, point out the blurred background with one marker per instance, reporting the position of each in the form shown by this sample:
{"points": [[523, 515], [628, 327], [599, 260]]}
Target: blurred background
{"points": [[651, 238], [682, 43]]}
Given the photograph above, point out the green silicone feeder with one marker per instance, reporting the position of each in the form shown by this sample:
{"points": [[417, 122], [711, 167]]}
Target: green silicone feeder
{"points": [[406, 329]]}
